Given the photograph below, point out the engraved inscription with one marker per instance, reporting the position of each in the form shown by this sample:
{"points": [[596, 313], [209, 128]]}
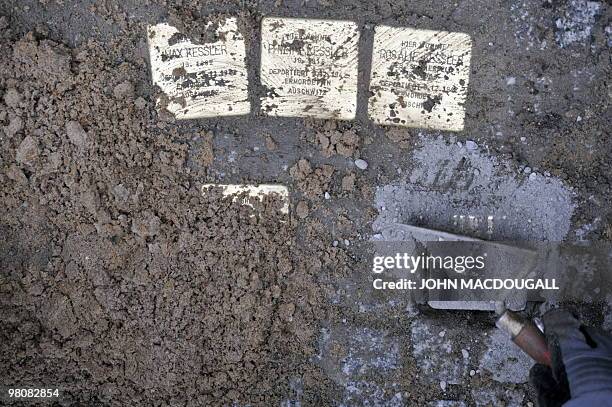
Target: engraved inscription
{"points": [[419, 78], [309, 68], [200, 80]]}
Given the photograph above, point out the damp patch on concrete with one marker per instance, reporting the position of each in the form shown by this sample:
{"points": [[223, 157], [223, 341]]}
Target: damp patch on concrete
{"points": [[488, 395], [419, 78], [576, 23], [200, 80], [457, 188], [436, 350], [505, 361], [309, 68], [364, 362]]}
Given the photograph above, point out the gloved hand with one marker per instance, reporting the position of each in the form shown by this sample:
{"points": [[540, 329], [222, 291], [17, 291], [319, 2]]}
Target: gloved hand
{"points": [[581, 373]]}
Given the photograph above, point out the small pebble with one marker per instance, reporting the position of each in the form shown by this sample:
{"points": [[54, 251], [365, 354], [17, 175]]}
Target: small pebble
{"points": [[527, 170], [27, 151], [14, 127], [443, 385], [121, 193], [472, 372], [532, 176], [140, 103], [124, 90], [335, 243], [511, 80], [441, 334], [327, 195], [465, 353], [346, 242], [12, 98], [302, 210], [523, 139], [361, 164], [470, 145], [76, 134]]}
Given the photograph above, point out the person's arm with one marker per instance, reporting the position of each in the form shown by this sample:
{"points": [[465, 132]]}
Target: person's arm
{"points": [[581, 373]]}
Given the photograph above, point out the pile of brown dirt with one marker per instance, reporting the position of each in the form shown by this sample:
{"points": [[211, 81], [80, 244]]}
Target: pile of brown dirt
{"points": [[121, 282], [312, 182]]}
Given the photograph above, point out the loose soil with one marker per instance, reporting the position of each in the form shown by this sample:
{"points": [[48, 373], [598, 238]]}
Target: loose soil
{"points": [[122, 283]]}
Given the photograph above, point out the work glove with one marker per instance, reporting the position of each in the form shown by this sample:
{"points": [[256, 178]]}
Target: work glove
{"points": [[581, 372]]}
